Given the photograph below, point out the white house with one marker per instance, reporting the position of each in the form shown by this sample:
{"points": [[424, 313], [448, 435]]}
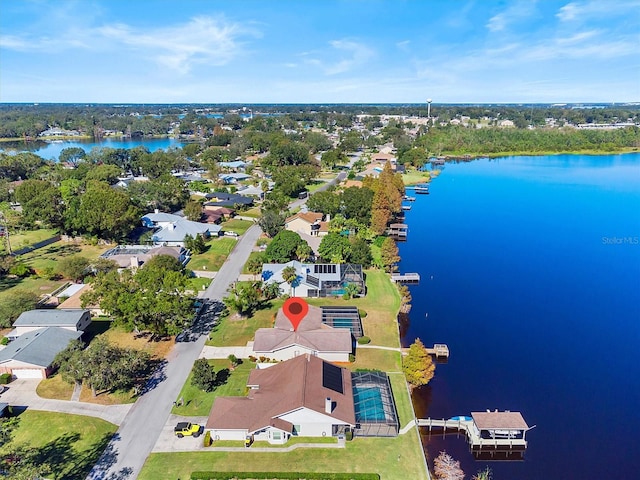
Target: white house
{"points": [[304, 396], [171, 229], [311, 337], [316, 279], [74, 320]]}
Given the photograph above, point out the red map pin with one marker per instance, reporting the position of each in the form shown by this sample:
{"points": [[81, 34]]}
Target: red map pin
{"points": [[295, 309]]}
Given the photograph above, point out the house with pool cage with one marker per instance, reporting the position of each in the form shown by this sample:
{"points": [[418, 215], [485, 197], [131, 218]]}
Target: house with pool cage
{"points": [[308, 397], [316, 279], [326, 332]]}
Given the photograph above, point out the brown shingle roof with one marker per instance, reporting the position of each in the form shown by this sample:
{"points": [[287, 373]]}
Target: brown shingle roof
{"points": [[499, 420], [283, 388]]}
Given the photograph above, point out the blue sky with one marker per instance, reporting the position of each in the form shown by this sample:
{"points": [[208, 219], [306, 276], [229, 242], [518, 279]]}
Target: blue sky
{"points": [[319, 51]]}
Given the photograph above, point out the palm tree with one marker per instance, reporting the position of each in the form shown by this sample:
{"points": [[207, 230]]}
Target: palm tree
{"points": [[290, 275]]}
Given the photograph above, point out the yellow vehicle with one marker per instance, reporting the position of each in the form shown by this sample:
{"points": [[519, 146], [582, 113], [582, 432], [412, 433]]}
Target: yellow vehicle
{"points": [[184, 429]]}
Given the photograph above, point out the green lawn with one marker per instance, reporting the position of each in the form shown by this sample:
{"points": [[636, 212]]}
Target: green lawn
{"points": [[49, 256], [402, 398], [198, 402], [71, 444], [381, 304], [217, 252], [414, 176], [198, 284], [372, 358], [252, 212], [23, 238], [251, 255], [233, 330], [236, 225], [393, 458]]}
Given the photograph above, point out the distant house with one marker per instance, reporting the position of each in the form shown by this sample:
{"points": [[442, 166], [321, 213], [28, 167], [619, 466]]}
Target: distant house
{"points": [[67, 319], [231, 178], [74, 302], [31, 355], [303, 396], [172, 229], [312, 337], [237, 165], [124, 182], [224, 199], [316, 280], [309, 223], [134, 256]]}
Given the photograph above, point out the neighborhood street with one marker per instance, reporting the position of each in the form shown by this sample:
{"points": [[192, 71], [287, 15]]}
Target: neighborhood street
{"points": [[138, 433]]}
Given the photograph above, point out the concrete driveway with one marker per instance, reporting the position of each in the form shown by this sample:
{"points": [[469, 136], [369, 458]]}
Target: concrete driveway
{"points": [[22, 393], [224, 352], [168, 442]]}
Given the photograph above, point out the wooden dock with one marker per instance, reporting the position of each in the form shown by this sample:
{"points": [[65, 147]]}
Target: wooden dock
{"points": [[411, 278], [439, 350], [399, 230]]}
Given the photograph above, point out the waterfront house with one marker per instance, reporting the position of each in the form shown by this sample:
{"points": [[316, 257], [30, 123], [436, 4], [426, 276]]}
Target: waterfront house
{"points": [[303, 396], [315, 279], [307, 223], [312, 336]]}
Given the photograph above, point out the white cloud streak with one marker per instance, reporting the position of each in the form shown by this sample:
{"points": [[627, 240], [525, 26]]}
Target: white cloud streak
{"points": [[580, 11], [516, 12]]}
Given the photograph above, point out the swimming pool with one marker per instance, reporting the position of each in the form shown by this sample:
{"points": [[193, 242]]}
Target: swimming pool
{"points": [[368, 404]]}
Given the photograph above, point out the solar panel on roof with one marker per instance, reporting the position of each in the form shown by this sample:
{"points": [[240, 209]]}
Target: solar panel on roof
{"points": [[332, 377]]}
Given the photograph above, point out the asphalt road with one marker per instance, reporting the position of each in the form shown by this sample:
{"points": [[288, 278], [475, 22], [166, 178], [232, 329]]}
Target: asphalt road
{"points": [[126, 453]]}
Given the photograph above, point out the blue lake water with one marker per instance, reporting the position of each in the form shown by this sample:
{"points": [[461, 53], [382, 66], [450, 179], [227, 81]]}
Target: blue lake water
{"points": [[51, 150], [530, 273]]}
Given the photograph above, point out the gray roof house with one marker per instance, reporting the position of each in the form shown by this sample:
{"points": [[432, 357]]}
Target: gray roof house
{"points": [[315, 279], [312, 336], [171, 229], [73, 320], [31, 354], [227, 199]]}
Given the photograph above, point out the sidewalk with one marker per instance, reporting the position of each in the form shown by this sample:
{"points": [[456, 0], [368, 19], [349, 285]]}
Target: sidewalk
{"points": [[22, 393]]}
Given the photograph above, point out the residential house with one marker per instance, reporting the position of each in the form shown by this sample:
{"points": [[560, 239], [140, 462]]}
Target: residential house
{"points": [[304, 396], [236, 166], [66, 319], [312, 336], [134, 256], [232, 178], [307, 223], [31, 355], [172, 229], [224, 199], [315, 280], [74, 302]]}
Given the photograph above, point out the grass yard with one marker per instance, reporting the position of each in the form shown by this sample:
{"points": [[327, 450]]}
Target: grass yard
{"points": [[402, 398], [393, 458], [373, 358], [48, 256], [251, 256], [252, 212], [233, 330], [413, 177], [24, 238], [236, 225], [70, 444], [198, 403], [217, 252], [32, 284], [197, 284], [381, 304], [54, 387]]}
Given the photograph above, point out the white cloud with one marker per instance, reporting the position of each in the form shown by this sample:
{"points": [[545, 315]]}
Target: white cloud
{"points": [[202, 40], [577, 11], [518, 11]]}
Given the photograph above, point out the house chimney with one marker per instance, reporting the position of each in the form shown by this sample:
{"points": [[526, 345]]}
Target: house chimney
{"points": [[328, 405], [328, 218], [134, 262], [155, 210]]}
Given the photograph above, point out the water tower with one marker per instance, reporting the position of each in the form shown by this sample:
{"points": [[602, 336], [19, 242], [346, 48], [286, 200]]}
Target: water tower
{"points": [[428, 108]]}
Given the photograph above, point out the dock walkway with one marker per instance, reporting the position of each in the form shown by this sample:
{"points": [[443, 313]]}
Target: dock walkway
{"points": [[474, 439]]}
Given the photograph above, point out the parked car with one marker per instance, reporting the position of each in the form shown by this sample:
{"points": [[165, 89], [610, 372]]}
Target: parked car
{"points": [[184, 429]]}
